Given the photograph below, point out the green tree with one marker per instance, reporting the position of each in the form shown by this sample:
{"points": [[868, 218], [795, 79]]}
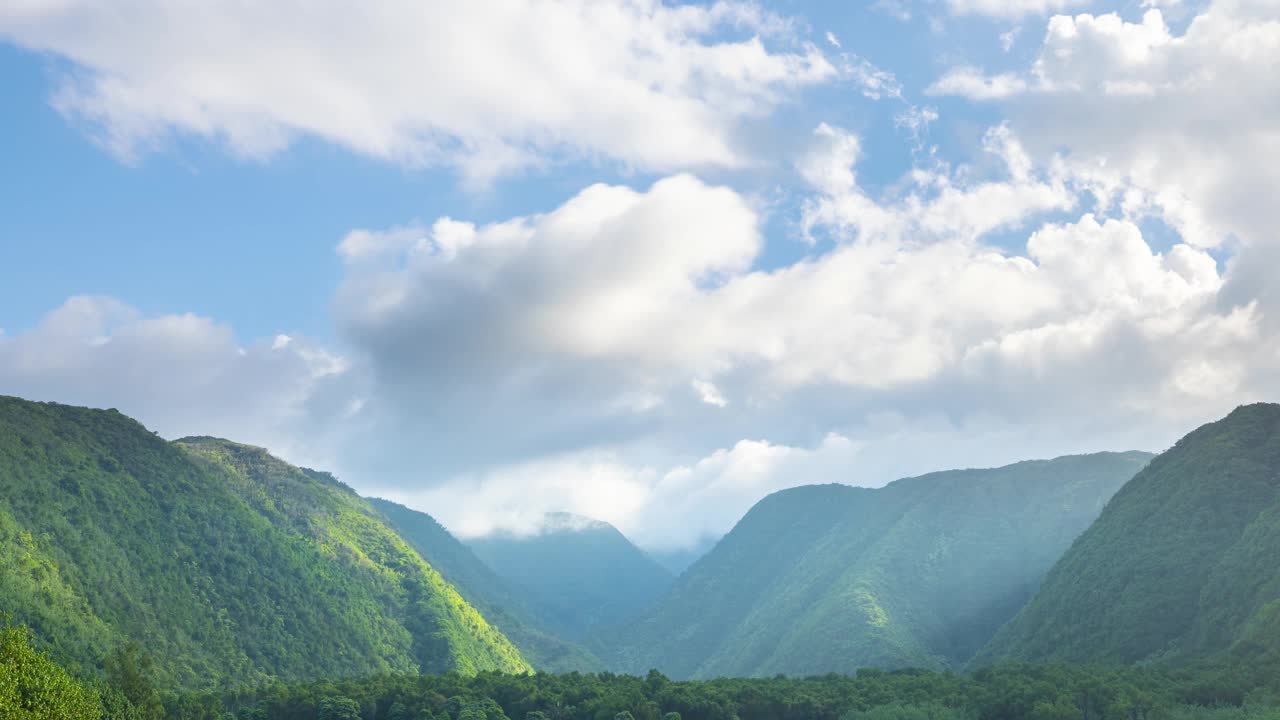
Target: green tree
{"points": [[338, 708], [129, 669], [33, 688]]}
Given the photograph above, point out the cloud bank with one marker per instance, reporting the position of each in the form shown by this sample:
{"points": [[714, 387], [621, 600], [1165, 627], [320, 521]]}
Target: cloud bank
{"points": [[1096, 277]]}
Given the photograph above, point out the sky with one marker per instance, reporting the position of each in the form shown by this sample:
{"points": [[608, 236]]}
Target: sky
{"points": [[642, 261]]}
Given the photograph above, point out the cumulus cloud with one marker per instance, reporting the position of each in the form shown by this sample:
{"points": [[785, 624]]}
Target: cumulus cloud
{"points": [[1205, 148], [1011, 9], [584, 330], [182, 375], [488, 87], [623, 356], [966, 81]]}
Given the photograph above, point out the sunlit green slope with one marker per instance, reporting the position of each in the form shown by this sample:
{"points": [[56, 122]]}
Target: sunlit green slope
{"points": [[226, 564], [832, 578], [502, 605], [1181, 565]]}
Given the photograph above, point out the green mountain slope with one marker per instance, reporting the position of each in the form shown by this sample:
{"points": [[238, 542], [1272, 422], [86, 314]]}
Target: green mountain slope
{"points": [[229, 566], [1180, 565], [501, 604], [832, 578], [576, 573]]}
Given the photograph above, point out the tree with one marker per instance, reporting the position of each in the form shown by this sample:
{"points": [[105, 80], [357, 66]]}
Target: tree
{"points": [[129, 670], [32, 687], [338, 708]]}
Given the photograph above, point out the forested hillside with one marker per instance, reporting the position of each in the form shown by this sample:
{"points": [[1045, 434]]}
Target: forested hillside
{"points": [[576, 574], [1180, 565], [226, 565], [502, 605], [832, 578]]}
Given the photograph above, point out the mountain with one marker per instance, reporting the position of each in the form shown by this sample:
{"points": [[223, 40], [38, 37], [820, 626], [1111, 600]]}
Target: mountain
{"points": [[831, 578], [1181, 564], [502, 605], [678, 560], [227, 565], [575, 573]]}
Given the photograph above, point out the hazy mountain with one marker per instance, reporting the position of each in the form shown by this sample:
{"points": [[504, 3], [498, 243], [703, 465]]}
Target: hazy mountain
{"points": [[830, 578], [1181, 564], [227, 565], [575, 573], [503, 606], [677, 561]]}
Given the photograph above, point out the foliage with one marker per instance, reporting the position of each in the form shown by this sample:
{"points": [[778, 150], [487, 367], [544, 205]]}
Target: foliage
{"points": [[1179, 566], [227, 565], [33, 688], [831, 577], [1007, 692], [129, 670]]}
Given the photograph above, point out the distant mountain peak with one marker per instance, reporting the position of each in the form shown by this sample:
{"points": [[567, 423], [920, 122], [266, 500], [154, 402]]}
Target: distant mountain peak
{"points": [[561, 521]]}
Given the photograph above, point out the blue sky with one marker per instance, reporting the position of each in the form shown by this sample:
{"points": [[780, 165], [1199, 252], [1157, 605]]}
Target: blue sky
{"points": [[642, 261], [189, 228]]}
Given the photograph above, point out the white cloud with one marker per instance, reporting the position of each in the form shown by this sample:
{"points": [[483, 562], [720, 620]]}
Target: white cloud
{"points": [[969, 82], [489, 87], [1009, 37], [582, 359], [1181, 127], [181, 375], [1011, 9], [558, 349], [363, 245], [709, 393], [674, 508]]}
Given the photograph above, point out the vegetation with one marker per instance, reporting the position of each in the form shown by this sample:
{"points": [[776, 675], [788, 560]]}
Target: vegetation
{"points": [[205, 580], [229, 566], [33, 688], [1180, 565], [502, 605], [1013, 692], [576, 574], [834, 578]]}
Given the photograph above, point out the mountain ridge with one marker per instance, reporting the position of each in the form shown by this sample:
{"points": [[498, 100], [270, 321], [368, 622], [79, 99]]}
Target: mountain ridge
{"points": [[1183, 553], [221, 559], [576, 573], [808, 580], [482, 587]]}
